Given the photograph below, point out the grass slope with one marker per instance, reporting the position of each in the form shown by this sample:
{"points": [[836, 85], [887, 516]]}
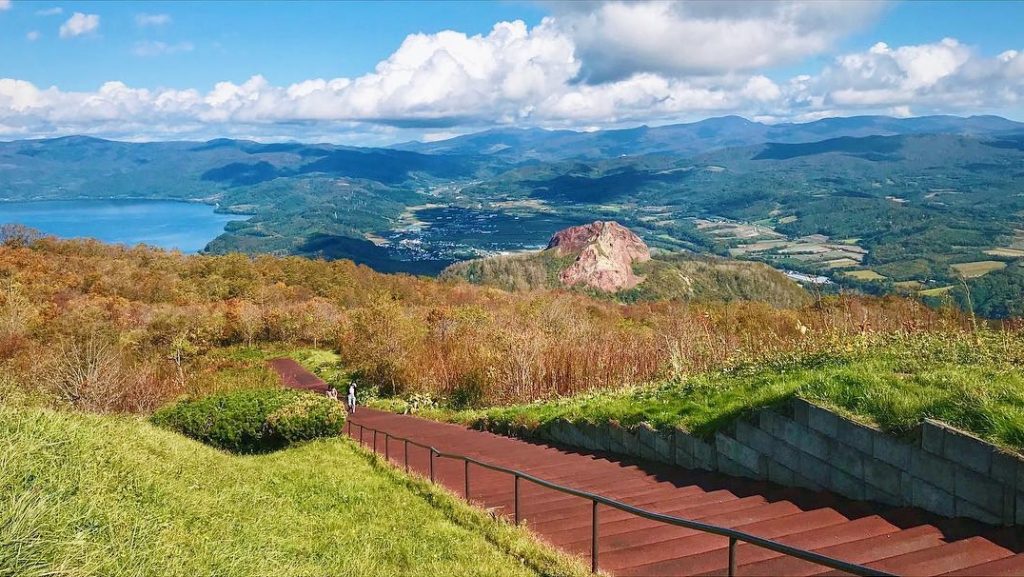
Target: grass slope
{"points": [[974, 383], [89, 495]]}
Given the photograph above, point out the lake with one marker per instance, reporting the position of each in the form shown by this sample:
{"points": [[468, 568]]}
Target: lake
{"points": [[185, 226]]}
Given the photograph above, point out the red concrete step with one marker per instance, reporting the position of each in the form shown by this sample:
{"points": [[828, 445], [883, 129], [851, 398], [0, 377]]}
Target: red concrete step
{"points": [[1004, 567], [904, 541], [946, 557]]}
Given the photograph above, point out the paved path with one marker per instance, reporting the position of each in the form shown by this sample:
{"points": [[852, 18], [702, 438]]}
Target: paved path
{"points": [[898, 540]]}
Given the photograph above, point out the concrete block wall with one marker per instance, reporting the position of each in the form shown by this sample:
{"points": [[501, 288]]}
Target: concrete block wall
{"points": [[942, 470]]}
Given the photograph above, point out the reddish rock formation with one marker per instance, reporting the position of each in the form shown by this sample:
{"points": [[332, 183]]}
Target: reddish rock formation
{"points": [[605, 251]]}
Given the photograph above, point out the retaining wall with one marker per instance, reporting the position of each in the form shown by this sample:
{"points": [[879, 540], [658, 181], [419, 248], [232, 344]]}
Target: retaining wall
{"points": [[941, 470]]}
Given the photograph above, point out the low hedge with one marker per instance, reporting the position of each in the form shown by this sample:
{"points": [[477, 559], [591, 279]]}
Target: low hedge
{"points": [[254, 421]]}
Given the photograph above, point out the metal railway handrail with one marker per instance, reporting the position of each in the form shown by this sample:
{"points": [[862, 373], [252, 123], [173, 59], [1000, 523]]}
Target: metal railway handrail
{"points": [[733, 535]]}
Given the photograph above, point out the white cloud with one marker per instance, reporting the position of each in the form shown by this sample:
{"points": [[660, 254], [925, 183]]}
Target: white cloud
{"points": [[451, 82], [936, 77], [80, 24], [55, 11], [5, 5], [143, 20], [32, 35], [616, 39], [157, 48]]}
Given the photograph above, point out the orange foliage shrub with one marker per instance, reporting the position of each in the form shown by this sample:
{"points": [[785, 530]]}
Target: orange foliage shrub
{"points": [[151, 313]]}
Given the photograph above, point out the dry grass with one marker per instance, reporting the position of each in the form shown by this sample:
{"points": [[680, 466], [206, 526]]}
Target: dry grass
{"points": [[977, 268]]}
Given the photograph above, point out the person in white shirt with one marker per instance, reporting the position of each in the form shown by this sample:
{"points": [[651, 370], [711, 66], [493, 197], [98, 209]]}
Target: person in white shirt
{"points": [[352, 397]]}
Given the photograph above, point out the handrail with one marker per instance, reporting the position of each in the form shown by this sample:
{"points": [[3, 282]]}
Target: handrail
{"points": [[733, 535]]}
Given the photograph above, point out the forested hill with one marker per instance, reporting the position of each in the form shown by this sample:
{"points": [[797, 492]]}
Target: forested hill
{"points": [[872, 203]]}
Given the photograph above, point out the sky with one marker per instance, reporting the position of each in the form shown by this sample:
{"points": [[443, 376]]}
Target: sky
{"points": [[374, 73]]}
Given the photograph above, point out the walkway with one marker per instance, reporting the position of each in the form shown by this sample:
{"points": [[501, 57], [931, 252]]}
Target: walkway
{"points": [[898, 540]]}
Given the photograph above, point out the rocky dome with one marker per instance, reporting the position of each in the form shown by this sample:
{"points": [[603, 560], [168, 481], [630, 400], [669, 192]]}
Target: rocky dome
{"points": [[605, 251]]}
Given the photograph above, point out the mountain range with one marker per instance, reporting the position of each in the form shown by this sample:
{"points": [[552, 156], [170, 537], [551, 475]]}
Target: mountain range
{"points": [[874, 203]]}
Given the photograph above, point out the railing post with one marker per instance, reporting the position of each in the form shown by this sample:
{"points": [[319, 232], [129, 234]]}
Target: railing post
{"points": [[515, 499], [593, 540], [431, 464], [732, 556], [375, 440], [407, 455], [467, 479], [387, 446], [360, 434]]}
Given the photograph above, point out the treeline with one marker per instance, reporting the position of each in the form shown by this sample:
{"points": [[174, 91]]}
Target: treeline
{"points": [[110, 328]]}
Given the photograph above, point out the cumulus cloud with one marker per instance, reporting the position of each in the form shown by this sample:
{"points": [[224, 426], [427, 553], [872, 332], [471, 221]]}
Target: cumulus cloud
{"points": [[55, 11], [80, 24], [5, 5], [941, 76], [32, 35], [144, 20], [157, 48], [451, 82], [617, 39]]}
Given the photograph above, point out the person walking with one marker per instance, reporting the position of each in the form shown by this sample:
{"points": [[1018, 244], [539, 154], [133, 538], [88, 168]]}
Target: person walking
{"points": [[352, 397], [332, 393]]}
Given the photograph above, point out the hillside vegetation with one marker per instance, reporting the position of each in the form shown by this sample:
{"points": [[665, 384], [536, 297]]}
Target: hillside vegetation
{"points": [[684, 277], [91, 495], [974, 382], [110, 329]]}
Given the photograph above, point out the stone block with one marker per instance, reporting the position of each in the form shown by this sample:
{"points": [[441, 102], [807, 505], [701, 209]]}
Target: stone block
{"points": [[823, 421], [766, 421], [972, 511], [882, 476], [780, 474], [879, 496], [1004, 468], [1009, 506], [847, 459], [932, 498], [662, 448], [801, 481], [740, 453], [786, 455], [906, 493], [754, 438], [801, 408], [979, 490], [814, 469], [932, 436], [934, 470], [1020, 509], [730, 467], [892, 451], [846, 484], [630, 444], [856, 435], [615, 444], [704, 456], [968, 451]]}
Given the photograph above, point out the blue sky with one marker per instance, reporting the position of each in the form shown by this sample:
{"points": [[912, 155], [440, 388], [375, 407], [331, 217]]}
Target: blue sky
{"points": [[351, 72]]}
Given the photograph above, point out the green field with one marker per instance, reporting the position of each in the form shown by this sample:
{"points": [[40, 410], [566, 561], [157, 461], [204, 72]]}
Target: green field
{"points": [[864, 275], [91, 495]]}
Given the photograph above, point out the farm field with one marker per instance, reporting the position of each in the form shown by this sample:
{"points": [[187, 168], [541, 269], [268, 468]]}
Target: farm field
{"points": [[864, 275], [979, 268]]}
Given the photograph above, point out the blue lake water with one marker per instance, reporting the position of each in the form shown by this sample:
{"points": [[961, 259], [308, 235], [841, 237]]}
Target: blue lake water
{"points": [[185, 226]]}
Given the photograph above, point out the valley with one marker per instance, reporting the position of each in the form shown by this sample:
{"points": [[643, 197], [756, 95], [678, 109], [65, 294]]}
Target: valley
{"points": [[869, 204]]}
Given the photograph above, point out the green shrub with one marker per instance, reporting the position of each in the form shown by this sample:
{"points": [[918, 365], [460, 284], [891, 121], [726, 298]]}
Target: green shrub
{"points": [[254, 421]]}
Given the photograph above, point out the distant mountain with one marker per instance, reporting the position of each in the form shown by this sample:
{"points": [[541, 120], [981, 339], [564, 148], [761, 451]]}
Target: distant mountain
{"points": [[534, 144]]}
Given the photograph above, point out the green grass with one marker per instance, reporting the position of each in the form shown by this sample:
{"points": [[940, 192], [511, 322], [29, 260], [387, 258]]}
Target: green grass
{"points": [[112, 496], [974, 383]]}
